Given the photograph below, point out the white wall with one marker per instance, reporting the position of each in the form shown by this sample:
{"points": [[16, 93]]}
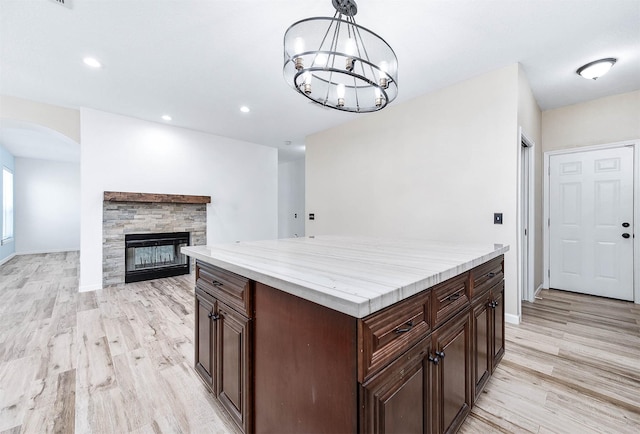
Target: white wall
{"points": [[47, 202], [125, 154], [434, 167], [291, 199]]}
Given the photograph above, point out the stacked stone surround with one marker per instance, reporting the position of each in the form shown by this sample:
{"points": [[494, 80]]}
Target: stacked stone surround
{"points": [[121, 218]]}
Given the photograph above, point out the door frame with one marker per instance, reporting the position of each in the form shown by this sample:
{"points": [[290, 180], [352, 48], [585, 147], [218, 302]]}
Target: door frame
{"points": [[526, 290], [546, 242]]}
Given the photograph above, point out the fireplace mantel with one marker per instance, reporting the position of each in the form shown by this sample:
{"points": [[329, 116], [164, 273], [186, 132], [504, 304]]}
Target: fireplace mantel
{"points": [[122, 196]]}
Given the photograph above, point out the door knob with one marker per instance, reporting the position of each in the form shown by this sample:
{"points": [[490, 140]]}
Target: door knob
{"points": [[625, 235], [625, 225]]}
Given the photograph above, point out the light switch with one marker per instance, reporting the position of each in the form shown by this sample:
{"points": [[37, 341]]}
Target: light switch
{"points": [[497, 218]]}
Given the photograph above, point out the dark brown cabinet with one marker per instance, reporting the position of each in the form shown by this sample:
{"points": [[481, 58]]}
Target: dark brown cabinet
{"points": [[232, 354], [497, 324], [452, 379], [487, 324], [204, 337], [223, 339], [481, 343], [277, 362], [399, 398]]}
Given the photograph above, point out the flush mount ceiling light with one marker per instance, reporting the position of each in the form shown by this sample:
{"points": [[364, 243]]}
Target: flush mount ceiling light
{"points": [[166, 117], [245, 109], [339, 64], [598, 68]]}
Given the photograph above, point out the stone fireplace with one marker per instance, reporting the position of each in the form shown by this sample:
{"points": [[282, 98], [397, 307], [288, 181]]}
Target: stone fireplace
{"points": [[142, 213]]}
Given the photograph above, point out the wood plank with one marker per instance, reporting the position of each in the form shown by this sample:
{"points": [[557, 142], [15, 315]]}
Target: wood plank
{"points": [[122, 196]]}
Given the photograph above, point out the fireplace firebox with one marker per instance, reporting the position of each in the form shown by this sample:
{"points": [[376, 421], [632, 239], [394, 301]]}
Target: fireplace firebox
{"points": [[152, 256]]}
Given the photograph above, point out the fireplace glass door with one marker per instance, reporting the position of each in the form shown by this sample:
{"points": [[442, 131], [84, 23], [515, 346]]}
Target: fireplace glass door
{"points": [[151, 256]]}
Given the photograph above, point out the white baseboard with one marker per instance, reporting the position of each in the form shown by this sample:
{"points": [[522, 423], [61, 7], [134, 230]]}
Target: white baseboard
{"points": [[537, 291], [88, 288], [7, 259], [42, 252], [511, 319]]}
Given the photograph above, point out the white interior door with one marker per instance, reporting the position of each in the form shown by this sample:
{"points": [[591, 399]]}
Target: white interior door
{"points": [[591, 222]]}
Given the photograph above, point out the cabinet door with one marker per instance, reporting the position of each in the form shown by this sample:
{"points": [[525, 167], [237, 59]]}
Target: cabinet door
{"points": [[452, 344], [204, 337], [481, 330], [232, 358], [497, 320], [397, 399]]}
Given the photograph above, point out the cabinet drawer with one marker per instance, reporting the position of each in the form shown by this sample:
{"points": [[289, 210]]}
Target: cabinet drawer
{"points": [[227, 287], [385, 335], [485, 276], [449, 298]]}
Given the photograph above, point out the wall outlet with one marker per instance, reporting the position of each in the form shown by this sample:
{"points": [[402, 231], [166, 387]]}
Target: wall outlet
{"points": [[312, 216]]}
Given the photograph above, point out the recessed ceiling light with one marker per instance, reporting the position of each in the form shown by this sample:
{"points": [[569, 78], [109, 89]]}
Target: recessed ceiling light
{"points": [[90, 61], [245, 109], [166, 117], [598, 68]]}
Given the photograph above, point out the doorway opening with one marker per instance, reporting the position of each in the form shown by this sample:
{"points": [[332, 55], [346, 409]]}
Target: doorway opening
{"points": [[591, 207], [526, 219]]}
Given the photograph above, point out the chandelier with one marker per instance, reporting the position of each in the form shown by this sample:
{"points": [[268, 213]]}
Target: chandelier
{"points": [[340, 64]]}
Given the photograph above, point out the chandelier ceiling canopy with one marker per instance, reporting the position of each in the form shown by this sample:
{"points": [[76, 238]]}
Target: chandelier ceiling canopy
{"points": [[340, 64]]}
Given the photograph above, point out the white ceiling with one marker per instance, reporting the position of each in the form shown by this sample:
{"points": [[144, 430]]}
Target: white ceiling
{"points": [[199, 61]]}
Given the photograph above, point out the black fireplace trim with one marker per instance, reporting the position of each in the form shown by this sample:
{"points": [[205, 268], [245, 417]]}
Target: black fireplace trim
{"points": [[145, 240]]}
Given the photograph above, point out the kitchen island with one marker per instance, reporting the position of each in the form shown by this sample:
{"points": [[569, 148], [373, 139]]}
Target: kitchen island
{"points": [[348, 334]]}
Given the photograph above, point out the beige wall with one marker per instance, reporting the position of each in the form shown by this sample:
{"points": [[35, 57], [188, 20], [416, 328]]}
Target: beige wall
{"points": [[530, 120], [436, 167], [63, 120], [605, 120]]}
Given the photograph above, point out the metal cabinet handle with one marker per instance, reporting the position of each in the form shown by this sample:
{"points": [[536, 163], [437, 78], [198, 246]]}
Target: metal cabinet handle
{"points": [[453, 297], [491, 274], [214, 316], [434, 360], [216, 283], [399, 330], [440, 354]]}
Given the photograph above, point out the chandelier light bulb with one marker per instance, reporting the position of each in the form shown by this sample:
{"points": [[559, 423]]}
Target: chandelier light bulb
{"points": [[307, 82], [340, 92], [299, 48], [320, 60], [298, 45], [383, 80], [350, 50], [378, 99], [350, 47]]}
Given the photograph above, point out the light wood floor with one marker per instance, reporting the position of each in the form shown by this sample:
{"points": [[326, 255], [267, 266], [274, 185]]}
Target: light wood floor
{"points": [[119, 360]]}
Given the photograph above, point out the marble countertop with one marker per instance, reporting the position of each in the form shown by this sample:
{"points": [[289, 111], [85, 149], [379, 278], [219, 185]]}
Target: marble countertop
{"points": [[353, 275]]}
